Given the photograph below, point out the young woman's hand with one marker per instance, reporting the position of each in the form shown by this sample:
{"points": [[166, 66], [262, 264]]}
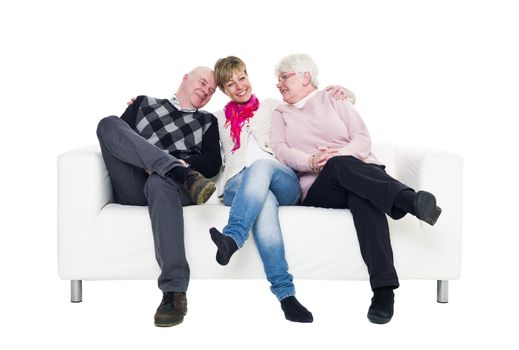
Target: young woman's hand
{"points": [[341, 93]]}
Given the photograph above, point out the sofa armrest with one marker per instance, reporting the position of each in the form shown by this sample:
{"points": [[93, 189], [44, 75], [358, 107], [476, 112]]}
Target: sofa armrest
{"points": [[440, 173], [84, 188], [433, 170]]}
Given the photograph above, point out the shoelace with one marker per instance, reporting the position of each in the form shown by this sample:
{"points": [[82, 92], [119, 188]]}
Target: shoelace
{"points": [[173, 298], [168, 298]]}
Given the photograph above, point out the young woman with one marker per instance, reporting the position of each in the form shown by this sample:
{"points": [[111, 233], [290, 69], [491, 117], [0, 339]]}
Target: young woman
{"points": [[255, 183]]}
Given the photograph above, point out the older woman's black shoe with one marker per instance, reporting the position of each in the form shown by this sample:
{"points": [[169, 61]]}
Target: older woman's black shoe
{"points": [[426, 208], [171, 310], [382, 305], [421, 204]]}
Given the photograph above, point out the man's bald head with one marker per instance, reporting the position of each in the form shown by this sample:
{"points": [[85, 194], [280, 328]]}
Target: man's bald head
{"points": [[197, 88]]}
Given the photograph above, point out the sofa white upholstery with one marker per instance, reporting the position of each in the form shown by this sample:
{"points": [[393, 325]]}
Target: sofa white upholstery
{"points": [[98, 239]]}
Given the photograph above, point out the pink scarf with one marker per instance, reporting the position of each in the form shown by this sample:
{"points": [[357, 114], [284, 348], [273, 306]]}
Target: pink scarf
{"points": [[236, 115]]}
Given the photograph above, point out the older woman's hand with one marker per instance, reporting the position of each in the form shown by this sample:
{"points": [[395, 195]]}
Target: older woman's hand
{"points": [[317, 161], [325, 153], [341, 93], [132, 100]]}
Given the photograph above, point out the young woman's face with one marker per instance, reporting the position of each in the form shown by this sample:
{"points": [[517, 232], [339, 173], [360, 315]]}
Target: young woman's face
{"points": [[238, 88]]}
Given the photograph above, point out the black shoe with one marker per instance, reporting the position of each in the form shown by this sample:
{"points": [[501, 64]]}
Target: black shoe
{"points": [[171, 310], [199, 188], [382, 306], [425, 206]]}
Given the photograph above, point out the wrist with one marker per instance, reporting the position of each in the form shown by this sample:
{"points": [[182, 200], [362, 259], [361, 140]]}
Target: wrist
{"points": [[311, 164]]}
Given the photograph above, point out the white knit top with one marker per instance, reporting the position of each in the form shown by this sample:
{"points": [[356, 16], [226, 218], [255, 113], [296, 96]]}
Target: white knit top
{"points": [[258, 127]]}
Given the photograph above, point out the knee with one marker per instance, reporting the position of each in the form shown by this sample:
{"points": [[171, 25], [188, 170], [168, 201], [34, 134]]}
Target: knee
{"points": [[342, 160], [258, 176], [263, 165], [105, 125], [341, 163]]}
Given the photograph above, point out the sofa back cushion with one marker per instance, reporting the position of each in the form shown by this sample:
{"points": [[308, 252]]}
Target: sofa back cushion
{"points": [[385, 153]]}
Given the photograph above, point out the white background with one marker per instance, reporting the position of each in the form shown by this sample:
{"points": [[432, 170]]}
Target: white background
{"points": [[439, 73]]}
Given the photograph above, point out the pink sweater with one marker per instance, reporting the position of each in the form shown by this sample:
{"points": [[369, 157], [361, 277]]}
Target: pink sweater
{"points": [[322, 121]]}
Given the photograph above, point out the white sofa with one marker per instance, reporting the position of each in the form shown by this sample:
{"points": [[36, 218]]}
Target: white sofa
{"points": [[101, 240]]}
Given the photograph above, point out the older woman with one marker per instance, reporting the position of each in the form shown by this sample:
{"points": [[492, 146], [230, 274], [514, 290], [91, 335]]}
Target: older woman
{"points": [[255, 183], [337, 169]]}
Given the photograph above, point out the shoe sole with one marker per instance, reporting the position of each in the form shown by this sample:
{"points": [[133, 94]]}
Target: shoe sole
{"points": [[206, 193], [378, 319], [426, 208], [169, 324]]}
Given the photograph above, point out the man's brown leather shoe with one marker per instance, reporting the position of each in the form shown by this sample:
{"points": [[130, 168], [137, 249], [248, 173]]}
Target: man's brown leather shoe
{"points": [[199, 188], [171, 310]]}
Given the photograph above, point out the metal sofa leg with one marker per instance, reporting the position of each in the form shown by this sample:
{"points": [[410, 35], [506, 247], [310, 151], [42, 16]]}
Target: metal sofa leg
{"points": [[76, 291], [442, 291]]}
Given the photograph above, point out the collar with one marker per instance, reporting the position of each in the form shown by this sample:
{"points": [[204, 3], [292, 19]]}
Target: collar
{"points": [[299, 104], [176, 103]]}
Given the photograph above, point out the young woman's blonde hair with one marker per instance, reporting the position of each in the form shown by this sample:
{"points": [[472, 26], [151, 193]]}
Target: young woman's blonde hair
{"points": [[225, 67]]}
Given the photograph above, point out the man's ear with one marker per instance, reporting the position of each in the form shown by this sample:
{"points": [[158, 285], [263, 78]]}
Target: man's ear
{"points": [[185, 77]]}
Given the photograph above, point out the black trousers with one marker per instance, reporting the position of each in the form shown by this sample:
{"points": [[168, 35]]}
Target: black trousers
{"points": [[369, 192]]}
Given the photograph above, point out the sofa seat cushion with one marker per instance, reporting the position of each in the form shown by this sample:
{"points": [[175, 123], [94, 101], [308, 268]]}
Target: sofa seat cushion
{"points": [[320, 244]]}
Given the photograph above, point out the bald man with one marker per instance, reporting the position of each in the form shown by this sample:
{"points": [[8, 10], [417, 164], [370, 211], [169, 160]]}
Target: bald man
{"points": [[160, 153]]}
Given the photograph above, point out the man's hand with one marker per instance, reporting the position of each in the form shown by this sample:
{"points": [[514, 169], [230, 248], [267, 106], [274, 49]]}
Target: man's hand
{"points": [[129, 103], [184, 163]]}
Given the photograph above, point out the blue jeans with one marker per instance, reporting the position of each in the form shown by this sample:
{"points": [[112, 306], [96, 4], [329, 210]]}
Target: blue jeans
{"points": [[254, 196]]}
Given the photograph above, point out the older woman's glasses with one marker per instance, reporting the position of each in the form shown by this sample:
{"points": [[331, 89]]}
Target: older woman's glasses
{"points": [[283, 77]]}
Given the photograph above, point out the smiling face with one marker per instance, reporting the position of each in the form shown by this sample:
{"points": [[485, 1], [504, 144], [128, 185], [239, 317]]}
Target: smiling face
{"points": [[197, 88], [238, 88], [297, 77], [293, 87]]}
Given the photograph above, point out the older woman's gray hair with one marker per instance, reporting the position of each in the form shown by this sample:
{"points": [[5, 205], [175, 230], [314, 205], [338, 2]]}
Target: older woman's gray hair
{"points": [[299, 63]]}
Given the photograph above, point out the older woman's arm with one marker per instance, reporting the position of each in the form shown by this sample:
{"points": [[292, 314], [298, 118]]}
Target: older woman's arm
{"points": [[360, 141], [294, 158]]}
